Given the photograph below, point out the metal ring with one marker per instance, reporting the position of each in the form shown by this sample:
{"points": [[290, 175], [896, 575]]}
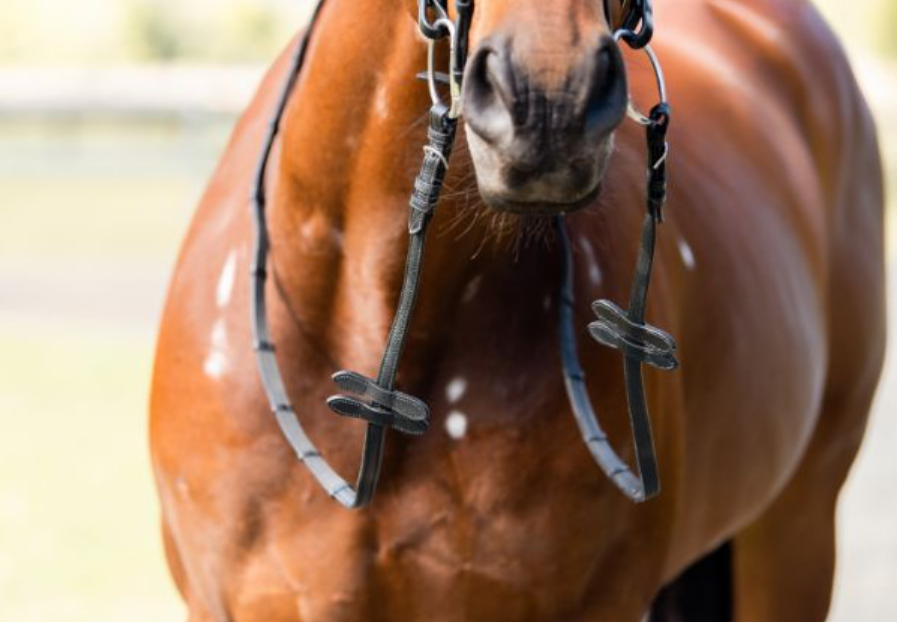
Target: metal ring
{"points": [[442, 13], [431, 29], [432, 150], [634, 113], [454, 85], [638, 24]]}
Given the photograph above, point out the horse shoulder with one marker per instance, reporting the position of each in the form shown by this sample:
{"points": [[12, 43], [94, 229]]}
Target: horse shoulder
{"points": [[774, 187]]}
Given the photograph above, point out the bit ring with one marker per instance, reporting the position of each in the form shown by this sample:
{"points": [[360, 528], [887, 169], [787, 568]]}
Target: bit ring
{"points": [[631, 110]]}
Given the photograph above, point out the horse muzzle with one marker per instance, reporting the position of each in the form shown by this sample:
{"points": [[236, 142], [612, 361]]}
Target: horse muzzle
{"points": [[540, 134]]}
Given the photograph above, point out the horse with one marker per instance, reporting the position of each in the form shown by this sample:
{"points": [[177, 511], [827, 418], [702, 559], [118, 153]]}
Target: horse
{"points": [[769, 274]]}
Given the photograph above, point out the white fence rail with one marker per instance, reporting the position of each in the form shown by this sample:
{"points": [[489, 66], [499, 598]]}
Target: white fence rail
{"points": [[154, 91]]}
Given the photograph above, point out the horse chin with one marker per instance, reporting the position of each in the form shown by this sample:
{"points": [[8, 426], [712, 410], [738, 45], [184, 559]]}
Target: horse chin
{"points": [[548, 190]]}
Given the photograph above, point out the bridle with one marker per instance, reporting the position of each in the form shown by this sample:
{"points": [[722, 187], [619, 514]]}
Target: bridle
{"points": [[377, 401], [636, 24]]}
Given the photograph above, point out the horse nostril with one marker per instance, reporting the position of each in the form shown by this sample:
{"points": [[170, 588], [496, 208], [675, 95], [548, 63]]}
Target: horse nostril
{"points": [[490, 94], [608, 94], [541, 102]]}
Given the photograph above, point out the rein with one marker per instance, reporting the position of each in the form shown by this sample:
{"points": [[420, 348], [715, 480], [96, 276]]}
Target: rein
{"points": [[376, 401]]}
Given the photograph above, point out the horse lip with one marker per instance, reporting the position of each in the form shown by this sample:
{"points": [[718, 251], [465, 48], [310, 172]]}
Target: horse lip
{"points": [[544, 208]]}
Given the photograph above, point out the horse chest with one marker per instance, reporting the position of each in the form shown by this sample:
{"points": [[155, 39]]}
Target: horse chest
{"points": [[501, 523]]}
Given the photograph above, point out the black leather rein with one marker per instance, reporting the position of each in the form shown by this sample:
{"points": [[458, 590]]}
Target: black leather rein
{"points": [[376, 401]]}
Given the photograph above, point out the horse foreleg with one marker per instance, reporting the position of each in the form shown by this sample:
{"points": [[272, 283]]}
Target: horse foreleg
{"points": [[784, 562]]}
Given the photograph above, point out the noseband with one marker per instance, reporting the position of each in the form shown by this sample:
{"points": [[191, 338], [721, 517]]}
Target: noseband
{"points": [[377, 401]]}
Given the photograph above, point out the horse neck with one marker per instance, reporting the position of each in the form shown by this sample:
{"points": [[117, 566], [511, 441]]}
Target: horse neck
{"points": [[351, 146]]}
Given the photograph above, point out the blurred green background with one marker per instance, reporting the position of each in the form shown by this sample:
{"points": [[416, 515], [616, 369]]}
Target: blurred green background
{"points": [[112, 115]]}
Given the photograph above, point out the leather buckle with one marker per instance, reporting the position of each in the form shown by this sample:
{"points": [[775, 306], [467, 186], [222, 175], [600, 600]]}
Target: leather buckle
{"points": [[391, 409], [641, 342]]}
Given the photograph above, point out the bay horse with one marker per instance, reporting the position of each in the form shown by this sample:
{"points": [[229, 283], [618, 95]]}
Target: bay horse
{"points": [[770, 275]]}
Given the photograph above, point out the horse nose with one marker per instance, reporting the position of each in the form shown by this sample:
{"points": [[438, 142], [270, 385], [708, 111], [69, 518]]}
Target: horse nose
{"points": [[608, 95], [506, 97]]}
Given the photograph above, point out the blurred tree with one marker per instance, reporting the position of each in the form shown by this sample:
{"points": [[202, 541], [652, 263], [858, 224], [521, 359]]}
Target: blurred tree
{"points": [[156, 30], [232, 31], [249, 31], [10, 38], [97, 32], [887, 31]]}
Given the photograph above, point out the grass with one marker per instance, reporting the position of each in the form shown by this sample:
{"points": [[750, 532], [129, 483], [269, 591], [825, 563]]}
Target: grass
{"points": [[86, 245], [78, 526]]}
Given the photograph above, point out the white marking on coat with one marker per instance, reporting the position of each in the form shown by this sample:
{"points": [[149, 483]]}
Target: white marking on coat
{"points": [[456, 424], [471, 289], [181, 485], [226, 280], [455, 390], [594, 268], [216, 362], [688, 256], [381, 101]]}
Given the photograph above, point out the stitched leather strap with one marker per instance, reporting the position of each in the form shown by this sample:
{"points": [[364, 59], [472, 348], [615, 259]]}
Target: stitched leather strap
{"points": [[386, 407], [376, 402], [625, 331]]}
